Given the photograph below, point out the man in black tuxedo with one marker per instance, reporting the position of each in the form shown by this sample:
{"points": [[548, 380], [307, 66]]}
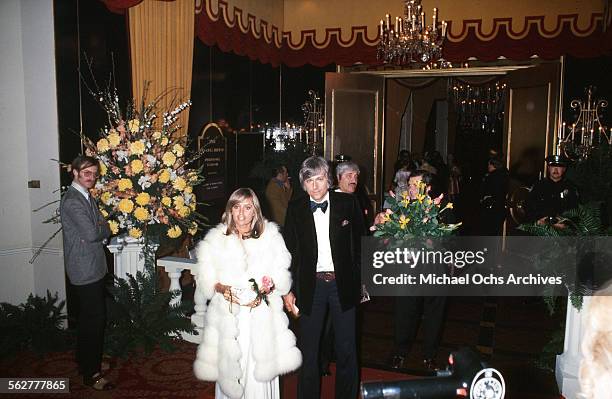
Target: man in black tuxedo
{"points": [[323, 233]]}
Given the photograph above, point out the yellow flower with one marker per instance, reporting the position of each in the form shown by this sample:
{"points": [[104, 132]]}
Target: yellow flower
{"points": [[156, 135], [192, 176], [105, 197], [143, 199], [178, 150], [405, 202], [126, 205], [103, 169], [133, 125], [124, 184], [135, 232], [179, 201], [137, 166], [168, 158], [193, 229], [188, 189], [179, 183], [164, 141], [166, 201], [192, 206], [114, 226], [164, 176], [174, 232], [137, 147], [141, 213], [104, 213], [403, 221], [113, 139], [449, 205], [102, 145], [184, 211]]}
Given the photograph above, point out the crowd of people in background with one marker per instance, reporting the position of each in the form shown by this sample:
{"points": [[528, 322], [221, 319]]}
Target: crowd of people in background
{"points": [[306, 260]]}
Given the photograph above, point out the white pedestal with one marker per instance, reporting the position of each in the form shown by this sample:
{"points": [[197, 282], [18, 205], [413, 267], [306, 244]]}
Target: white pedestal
{"points": [[568, 363], [128, 255]]}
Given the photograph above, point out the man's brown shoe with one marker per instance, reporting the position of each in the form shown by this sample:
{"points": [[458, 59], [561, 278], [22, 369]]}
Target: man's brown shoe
{"points": [[98, 383]]}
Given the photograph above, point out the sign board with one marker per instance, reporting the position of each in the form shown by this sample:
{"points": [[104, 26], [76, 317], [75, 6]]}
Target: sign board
{"points": [[213, 145]]}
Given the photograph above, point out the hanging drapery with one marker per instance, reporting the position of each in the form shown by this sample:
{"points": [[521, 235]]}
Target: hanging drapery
{"points": [[320, 32], [161, 52]]}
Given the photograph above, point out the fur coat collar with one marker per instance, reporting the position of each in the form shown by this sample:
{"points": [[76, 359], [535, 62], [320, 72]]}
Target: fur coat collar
{"points": [[232, 261]]}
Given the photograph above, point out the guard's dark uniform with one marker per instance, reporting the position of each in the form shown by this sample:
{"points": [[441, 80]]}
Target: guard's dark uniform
{"points": [[493, 202], [548, 198]]}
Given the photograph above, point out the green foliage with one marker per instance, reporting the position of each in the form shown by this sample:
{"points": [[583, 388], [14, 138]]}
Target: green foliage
{"points": [[548, 356], [35, 325], [583, 221], [141, 317], [406, 218], [593, 176]]}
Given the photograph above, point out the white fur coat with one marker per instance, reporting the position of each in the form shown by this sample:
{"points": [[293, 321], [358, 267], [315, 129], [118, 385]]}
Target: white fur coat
{"points": [[231, 261]]}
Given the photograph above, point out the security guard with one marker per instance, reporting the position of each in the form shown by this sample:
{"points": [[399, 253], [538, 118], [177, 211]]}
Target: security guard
{"points": [[552, 196]]}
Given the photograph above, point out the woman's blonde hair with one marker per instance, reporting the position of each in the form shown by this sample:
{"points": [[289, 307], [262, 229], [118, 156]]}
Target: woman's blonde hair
{"points": [[596, 367], [241, 194]]}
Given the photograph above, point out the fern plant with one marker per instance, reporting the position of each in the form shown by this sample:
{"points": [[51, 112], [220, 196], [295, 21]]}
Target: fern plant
{"points": [[583, 221], [141, 317], [37, 325]]}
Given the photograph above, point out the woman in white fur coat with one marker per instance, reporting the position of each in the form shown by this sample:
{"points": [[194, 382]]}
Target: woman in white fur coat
{"points": [[246, 343]]}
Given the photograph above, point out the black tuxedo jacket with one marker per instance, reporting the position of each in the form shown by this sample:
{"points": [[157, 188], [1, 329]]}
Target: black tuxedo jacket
{"points": [[346, 226]]}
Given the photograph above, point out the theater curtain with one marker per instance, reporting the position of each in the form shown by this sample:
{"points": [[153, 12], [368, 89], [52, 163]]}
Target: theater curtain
{"points": [[161, 53]]}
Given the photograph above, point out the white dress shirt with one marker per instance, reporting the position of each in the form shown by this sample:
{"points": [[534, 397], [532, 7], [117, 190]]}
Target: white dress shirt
{"points": [[325, 262]]}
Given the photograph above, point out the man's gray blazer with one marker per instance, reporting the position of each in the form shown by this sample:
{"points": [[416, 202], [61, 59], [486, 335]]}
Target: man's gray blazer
{"points": [[84, 230]]}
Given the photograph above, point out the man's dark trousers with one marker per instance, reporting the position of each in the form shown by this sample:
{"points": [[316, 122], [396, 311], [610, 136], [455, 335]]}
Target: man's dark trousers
{"points": [[347, 373], [90, 328], [408, 311]]}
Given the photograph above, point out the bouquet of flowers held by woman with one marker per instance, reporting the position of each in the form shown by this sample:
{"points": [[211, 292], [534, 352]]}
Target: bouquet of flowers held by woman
{"points": [[416, 215], [263, 289], [146, 182], [255, 294]]}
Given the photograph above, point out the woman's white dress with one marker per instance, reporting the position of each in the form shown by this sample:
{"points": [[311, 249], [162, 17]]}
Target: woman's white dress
{"points": [[253, 389]]}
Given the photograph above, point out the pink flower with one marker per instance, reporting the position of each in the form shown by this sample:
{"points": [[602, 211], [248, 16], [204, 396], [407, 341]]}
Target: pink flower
{"points": [[438, 199], [266, 285]]}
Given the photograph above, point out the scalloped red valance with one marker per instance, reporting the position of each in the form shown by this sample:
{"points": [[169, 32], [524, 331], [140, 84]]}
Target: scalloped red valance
{"points": [[256, 42]]}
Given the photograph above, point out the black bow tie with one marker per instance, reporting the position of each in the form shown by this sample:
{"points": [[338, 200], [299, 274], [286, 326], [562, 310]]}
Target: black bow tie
{"points": [[314, 205]]}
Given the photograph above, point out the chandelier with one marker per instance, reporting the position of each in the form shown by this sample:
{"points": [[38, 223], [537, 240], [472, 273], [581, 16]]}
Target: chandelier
{"points": [[410, 40], [587, 132], [313, 123], [479, 107]]}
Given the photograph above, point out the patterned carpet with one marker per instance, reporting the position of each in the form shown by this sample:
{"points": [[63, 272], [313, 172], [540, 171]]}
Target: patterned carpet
{"points": [[511, 338], [160, 375]]}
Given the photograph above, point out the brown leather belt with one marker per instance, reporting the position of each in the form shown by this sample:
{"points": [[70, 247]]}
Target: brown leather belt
{"points": [[326, 276]]}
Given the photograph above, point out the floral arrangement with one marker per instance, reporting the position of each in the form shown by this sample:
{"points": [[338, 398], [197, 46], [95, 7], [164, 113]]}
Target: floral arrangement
{"points": [[419, 217], [262, 291], [145, 183]]}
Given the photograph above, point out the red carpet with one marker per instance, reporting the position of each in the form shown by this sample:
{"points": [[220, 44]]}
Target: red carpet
{"points": [[160, 375], [327, 386], [163, 375]]}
